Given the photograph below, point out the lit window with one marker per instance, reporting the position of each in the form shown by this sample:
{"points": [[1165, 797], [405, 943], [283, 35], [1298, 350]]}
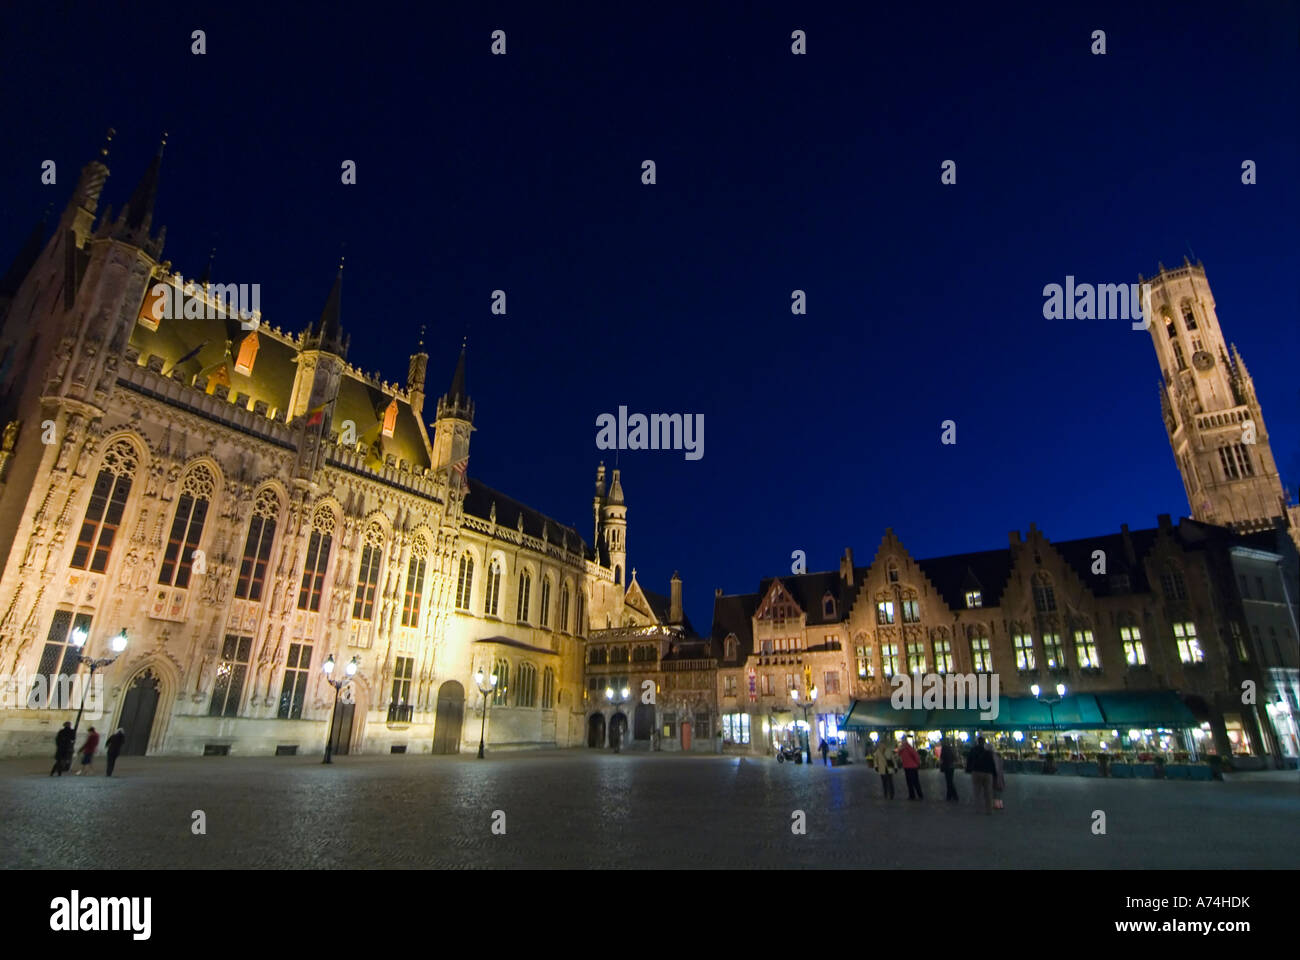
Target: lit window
{"points": [[980, 655], [414, 583], [885, 612], [1053, 652], [390, 419], [1024, 647], [889, 658], [363, 605], [1085, 650], [318, 558], [943, 656], [1134, 653], [257, 547], [187, 527], [911, 611], [974, 599], [1189, 647], [104, 512], [916, 658]]}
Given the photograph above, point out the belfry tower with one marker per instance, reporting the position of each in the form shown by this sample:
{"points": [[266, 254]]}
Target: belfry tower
{"points": [[1213, 418]]}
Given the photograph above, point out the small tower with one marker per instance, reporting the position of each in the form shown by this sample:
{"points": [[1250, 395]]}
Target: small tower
{"points": [[1214, 421], [613, 516], [454, 421], [597, 502], [415, 376], [316, 384]]}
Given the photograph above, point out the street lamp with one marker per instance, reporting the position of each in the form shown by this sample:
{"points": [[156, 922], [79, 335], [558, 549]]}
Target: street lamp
{"points": [[486, 685], [79, 637], [1051, 706], [616, 702], [794, 695], [338, 685]]}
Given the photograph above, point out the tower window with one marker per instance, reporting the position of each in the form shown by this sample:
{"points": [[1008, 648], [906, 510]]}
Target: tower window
{"points": [[1189, 319], [1178, 356], [1235, 459], [1170, 327]]}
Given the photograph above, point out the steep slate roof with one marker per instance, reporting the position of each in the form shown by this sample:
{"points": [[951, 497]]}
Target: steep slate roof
{"points": [[478, 503], [734, 614], [991, 569], [661, 606], [807, 590]]}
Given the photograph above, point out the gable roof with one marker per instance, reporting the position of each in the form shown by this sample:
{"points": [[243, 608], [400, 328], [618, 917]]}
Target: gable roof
{"points": [[478, 503]]}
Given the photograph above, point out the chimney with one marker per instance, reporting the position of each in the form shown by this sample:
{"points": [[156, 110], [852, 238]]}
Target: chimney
{"points": [[846, 567], [717, 592], [1130, 554], [675, 600], [1015, 538]]}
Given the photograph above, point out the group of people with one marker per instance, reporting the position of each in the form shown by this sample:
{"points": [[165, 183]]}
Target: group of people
{"points": [[983, 763], [66, 739]]}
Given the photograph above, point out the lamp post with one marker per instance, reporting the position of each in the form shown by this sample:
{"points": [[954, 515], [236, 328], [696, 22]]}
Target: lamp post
{"points": [[812, 699], [79, 636], [1051, 706], [486, 684], [616, 701], [338, 685]]}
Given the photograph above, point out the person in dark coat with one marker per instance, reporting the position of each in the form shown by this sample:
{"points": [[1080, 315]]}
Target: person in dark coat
{"points": [[114, 745], [88, 750], [826, 752], [64, 741], [980, 765], [947, 761]]}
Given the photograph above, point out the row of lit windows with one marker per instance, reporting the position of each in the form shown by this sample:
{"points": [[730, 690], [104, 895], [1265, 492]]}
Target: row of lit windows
{"points": [[765, 684], [523, 610], [622, 653]]}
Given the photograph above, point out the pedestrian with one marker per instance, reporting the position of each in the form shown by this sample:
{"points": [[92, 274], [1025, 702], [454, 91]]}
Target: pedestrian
{"points": [[88, 750], [999, 782], [911, 761], [981, 767], [883, 761], [947, 763], [826, 752], [64, 742], [114, 745]]}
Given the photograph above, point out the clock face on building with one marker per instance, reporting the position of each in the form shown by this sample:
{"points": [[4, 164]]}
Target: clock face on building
{"points": [[1202, 360]]}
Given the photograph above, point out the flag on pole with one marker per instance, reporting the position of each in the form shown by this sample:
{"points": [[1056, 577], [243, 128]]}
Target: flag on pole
{"points": [[315, 415]]}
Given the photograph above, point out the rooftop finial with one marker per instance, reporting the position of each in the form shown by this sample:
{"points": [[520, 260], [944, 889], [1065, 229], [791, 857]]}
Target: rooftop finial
{"points": [[108, 140], [162, 143], [422, 336]]}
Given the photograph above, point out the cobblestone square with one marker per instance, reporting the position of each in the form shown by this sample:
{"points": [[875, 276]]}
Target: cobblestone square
{"points": [[597, 810]]}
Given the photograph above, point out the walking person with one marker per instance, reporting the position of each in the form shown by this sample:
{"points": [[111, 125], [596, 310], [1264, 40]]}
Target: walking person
{"points": [[883, 762], [826, 752], [88, 750], [911, 761], [999, 782], [981, 767], [64, 742], [114, 747], [947, 763]]}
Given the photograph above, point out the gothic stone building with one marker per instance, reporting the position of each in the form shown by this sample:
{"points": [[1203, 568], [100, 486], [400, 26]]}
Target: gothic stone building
{"points": [[245, 504]]}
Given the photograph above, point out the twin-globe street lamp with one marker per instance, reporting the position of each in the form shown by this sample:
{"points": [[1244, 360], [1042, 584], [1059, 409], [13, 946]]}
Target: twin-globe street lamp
{"points": [[812, 699], [338, 685], [616, 701], [486, 685], [1051, 706], [78, 640]]}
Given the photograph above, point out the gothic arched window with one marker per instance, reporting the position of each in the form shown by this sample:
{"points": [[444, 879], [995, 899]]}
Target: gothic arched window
{"points": [[564, 608], [492, 597], [187, 526], [1189, 318], [363, 604], [501, 693], [526, 686], [548, 689], [318, 559], [104, 512], [464, 581], [521, 608], [415, 583], [257, 547], [545, 616], [1044, 594]]}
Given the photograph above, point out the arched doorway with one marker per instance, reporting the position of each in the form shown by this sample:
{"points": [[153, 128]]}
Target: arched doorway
{"points": [[643, 721], [596, 730], [618, 730], [138, 709], [450, 721]]}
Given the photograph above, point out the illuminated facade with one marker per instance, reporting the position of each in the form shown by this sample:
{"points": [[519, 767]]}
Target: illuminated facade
{"points": [[245, 504]]}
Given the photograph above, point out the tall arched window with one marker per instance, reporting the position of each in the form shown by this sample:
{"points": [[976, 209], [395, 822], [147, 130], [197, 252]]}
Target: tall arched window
{"points": [[187, 526], [363, 604], [980, 655], [492, 596], [548, 689], [563, 622], [521, 608], [1189, 318], [257, 547], [415, 583], [1170, 327], [618, 574], [104, 512], [526, 691], [501, 693], [544, 617], [579, 625], [464, 581], [1044, 594], [318, 559]]}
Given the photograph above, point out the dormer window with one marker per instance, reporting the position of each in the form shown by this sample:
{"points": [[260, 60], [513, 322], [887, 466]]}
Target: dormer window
{"points": [[828, 606], [732, 645], [247, 354], [390, 419], [974, 599], [893, 573]]}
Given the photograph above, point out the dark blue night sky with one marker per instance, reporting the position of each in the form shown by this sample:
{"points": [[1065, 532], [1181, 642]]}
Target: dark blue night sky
{"points": [[775, 172]]}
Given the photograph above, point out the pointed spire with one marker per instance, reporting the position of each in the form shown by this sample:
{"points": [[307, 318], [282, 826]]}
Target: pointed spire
{"points": [[457, 391], [138, 214], [615, 490], [329, 332]]}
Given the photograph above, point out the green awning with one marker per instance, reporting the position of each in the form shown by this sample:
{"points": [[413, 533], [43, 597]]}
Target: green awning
{"points": [[881, 715], [1150, 708]]}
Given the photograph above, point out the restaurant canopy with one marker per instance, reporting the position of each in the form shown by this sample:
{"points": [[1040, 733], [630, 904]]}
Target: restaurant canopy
{"points": [[1083, 711]]}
